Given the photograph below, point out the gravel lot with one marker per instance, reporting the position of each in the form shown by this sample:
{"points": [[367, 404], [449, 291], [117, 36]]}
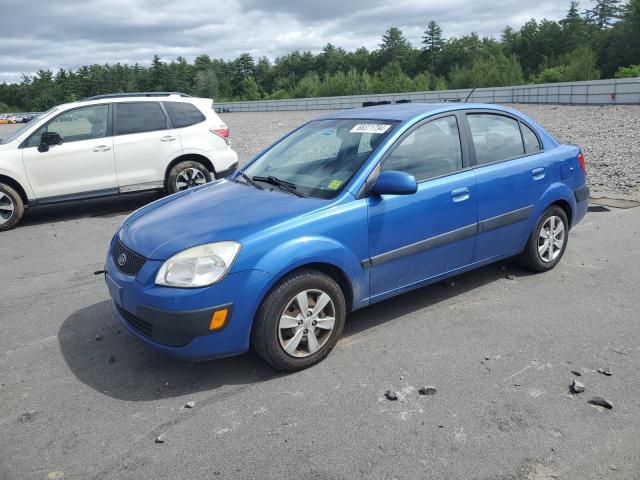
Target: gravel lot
{"points": [[80, 398], [609, 135], [499, 349]]}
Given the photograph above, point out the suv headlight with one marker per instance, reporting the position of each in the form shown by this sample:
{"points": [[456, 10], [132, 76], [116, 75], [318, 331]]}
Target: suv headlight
{"points": [[198, 266]]}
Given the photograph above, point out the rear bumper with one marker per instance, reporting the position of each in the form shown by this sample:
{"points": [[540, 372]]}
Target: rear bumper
{"points": [[227, 172], [581, 195]]}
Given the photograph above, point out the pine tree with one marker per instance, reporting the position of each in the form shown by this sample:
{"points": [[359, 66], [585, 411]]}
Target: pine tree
{"points": [[432, 42], [604, 14], [394, 47]]}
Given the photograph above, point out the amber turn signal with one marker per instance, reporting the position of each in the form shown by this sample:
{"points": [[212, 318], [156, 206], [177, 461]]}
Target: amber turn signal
{"points": [[218, 319]]}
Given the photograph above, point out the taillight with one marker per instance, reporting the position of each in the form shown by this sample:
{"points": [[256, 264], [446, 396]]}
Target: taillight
{"points": [[222, 133], [583, 165]]}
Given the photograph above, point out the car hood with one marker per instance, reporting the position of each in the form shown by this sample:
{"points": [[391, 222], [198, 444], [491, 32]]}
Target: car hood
{"points": [[225, 210]]}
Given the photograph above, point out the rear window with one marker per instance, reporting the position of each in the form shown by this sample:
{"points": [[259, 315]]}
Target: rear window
{"points": [[183, 114], [495, 137], [139, 117], [531, 142]]}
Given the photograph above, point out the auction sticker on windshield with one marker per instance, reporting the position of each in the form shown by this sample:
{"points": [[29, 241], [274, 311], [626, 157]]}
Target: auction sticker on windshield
{"points": [[370, 128]]}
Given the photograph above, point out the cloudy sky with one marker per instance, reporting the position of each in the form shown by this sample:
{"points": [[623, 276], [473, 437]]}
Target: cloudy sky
{"points": [[52, 34]]}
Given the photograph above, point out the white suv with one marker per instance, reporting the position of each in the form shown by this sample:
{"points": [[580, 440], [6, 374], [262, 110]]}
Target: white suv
{"points": [[109, 145]]}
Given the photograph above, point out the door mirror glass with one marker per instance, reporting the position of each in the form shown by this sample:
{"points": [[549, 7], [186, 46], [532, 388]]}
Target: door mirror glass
{"points": [[393, 182]]}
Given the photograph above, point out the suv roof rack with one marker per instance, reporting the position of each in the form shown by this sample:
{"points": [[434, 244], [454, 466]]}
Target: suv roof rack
{"points": [[135, 94]]}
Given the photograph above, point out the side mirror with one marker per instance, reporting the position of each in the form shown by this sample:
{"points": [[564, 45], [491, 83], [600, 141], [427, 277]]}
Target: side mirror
{"points": [[48, 139], [395, 183]]}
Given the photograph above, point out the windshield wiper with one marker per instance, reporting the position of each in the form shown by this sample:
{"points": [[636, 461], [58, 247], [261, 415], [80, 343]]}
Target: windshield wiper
{"points": [[283, 184], [248, 179]]}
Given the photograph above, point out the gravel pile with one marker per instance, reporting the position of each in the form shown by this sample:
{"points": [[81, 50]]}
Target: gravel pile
{"points": [[609, 136]]}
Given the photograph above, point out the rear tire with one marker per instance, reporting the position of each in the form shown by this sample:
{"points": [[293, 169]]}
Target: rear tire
{"points": [[292, 337], [547, 242], [11, 207], [187, 174]]}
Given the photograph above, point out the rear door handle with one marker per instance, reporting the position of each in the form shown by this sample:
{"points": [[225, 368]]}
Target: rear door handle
{"points": [[538, 173], [460, 194], [167, 138], [101, 148]]}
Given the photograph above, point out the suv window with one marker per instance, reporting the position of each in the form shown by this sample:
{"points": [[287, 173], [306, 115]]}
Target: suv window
{"points": [[86, 123], [531, 142], [495, 137], [431, 150], [183, 114], [139, 117]]}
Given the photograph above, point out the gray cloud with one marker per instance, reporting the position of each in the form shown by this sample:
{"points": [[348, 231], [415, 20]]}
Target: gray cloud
{"points": [[66, 34]]}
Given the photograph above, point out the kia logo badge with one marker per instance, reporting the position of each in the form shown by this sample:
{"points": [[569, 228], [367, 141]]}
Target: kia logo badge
{"points": [[122, 259]]}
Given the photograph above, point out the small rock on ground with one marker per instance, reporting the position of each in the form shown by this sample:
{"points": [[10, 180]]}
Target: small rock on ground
{"points": [[190, 404], [577, 373], [111, 359], [510, 277], [161, 438], [605, 371], [391, 394], [601, 402], [428, 390], [98, 337], [577, 387]]}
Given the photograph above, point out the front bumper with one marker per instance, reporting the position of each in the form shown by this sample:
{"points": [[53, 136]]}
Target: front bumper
{"points": [[176, 321]]}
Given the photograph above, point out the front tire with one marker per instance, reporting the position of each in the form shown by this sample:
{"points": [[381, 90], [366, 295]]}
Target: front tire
{"points": [[299, 321], [187, 174], [547, 242], [11, 207]]}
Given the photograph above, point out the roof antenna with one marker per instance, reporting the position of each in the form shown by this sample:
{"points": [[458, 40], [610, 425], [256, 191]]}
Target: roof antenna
{"points": [[470, 93]]}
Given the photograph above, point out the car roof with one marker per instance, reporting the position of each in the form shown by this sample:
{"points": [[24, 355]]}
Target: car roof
{"points": [[128, 98], [407, 111]]}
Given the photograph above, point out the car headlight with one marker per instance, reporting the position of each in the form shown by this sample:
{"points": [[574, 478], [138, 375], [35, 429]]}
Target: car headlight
{"points": [[198, 266]]}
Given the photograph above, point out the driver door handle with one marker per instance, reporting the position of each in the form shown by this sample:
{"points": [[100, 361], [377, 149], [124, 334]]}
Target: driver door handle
{"points": [[167, 138], [101, 148]]}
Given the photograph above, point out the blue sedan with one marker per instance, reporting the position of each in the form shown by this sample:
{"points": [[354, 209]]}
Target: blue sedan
{"points": [[345, 211]]}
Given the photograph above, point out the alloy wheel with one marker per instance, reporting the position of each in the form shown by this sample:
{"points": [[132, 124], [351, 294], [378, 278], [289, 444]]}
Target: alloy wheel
{"points": [[306, 323], [551, 239], [189, 178], [6, 208]]}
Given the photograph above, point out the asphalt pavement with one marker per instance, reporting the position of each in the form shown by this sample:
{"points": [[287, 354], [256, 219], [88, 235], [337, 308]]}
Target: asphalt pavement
{"points": [[80, 398]]}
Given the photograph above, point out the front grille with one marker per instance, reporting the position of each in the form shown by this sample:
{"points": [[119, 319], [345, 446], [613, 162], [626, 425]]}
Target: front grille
{"points": [[127, 261], [143, 327]]}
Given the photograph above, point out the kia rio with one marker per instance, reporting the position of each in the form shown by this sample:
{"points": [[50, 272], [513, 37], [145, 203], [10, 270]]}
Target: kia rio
{"points": [[345, 211]]}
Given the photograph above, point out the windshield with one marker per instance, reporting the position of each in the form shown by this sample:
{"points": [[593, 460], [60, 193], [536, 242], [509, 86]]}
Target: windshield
{"points": [[321, 157], [23, 128]]}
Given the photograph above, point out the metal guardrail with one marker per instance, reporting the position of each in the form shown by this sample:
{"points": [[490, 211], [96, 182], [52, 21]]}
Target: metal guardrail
{"points": [[623, 91]]}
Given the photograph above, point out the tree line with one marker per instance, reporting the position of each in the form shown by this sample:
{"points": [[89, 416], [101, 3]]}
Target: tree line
{"points": [[588, 44]]}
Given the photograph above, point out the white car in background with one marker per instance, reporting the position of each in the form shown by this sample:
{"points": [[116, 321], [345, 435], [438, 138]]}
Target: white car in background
{"points": [[110, 145]]}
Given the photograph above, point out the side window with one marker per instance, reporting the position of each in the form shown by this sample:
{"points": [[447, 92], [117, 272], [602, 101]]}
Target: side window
{"points": [[431, 150], [139, 117], [531, 142], [86, 123], [495, 137], [183, 114]]}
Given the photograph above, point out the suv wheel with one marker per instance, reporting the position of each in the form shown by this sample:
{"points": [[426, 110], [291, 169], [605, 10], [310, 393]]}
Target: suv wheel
{"points": [[187, 174], [299, 321], [547, 242], [11, 207]]}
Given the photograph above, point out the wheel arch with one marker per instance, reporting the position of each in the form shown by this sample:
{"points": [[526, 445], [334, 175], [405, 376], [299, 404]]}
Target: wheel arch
{"points": [[564, 205], [193, 157], [13, 183]]}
